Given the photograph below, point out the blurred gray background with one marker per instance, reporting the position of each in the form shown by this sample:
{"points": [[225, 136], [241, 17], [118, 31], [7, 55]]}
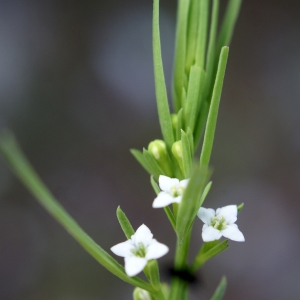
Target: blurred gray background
{"points": [[76, 87]]}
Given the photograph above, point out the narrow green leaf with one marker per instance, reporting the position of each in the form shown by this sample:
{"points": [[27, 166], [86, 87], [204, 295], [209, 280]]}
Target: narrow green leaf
{"points": [[227, 27], [179, 124], [212, 59], [154, 167], [204, 194], [187, 209], [220, 291], [187, 158], [23, 170], [213, 110], [194, 14], [201, 120], [202, 257], [193, 96], [160, 85], [180, 51], [202, 33], [167, 208], [154, 274], [240, 207], [141, 159], [191, 140], [125, 224], [155, 185], [212, 36]]}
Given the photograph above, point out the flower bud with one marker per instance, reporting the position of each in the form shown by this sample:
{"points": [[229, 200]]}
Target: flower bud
{"points": [[140, 294], [158, 150], [177, 152]]}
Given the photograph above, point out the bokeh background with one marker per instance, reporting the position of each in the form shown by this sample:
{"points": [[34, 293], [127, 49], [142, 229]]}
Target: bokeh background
{"points": [[76, 87]]}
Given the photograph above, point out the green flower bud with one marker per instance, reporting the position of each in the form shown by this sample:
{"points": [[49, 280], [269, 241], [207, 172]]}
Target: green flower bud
{"points": [[140, 294], [158, 150], [177, 152]]}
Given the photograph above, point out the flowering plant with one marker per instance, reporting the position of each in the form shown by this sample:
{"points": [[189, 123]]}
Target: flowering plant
{"points": [[180, 181]]}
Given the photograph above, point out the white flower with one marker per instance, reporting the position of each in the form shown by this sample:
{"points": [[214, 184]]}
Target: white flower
{"points": [[172, 190], [220, 223], [138, 250]]}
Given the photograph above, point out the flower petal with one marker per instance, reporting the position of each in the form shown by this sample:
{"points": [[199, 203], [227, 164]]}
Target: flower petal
{"points": [[229, 212], [156, 250], [206, 214], [232, 232], [210, 234], [142, 235], [166, 183], [163, 199], [134, 265], [184, 183], [123, 249]]}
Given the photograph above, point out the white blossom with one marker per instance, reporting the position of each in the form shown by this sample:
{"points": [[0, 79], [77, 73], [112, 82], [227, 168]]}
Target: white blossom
{"points": [[220, 223], [171, 191], [139, 250]]}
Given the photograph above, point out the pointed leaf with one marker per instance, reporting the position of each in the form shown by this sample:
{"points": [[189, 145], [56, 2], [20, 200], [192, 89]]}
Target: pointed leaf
{"points": [[204, 194], [125, 224]]}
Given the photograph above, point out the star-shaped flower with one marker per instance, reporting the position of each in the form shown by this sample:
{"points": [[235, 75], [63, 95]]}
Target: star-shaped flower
{"points": [[220, 223], [172, 190], [138, 250]]}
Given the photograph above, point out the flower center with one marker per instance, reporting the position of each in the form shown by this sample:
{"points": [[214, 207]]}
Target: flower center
{"points": [[218, 222], [140, 250], [177, 191]]}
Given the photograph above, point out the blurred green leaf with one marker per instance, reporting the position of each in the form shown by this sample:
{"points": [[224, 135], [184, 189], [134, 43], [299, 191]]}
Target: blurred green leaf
{"points": [[209, 251], [186, 155], [23, 170], [192, 98], [227, 27], [153, 165], [179, 124], [180, 51], [202, 33], [220, 291], [204, 194], [240, 207], [192, 31], [160, 85]]}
